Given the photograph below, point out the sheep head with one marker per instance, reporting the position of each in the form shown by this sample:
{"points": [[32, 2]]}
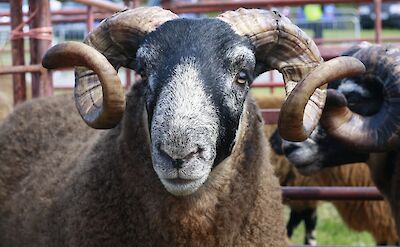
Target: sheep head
{"points": [[360, 115], [318, 151], [364, 109], [197, 75]]}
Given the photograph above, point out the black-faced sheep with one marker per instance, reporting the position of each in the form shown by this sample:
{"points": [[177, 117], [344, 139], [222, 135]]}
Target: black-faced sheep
{"points": [[374, 217], [360, 123], [184, 161]]}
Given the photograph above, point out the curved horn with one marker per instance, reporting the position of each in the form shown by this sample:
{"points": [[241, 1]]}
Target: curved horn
{"points": [[297, 124], [283, 46], [79, 54], [117, 38], [379, 132]]}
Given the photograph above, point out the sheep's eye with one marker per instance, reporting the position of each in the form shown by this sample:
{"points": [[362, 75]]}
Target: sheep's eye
{"points": [[143, 75], [242, 77]]}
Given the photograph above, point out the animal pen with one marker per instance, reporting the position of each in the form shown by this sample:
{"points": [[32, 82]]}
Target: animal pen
{"points": [[39, 18]]}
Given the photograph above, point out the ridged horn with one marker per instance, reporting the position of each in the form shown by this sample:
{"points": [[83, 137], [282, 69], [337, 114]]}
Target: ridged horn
{"points": [[117, 39], [281, 45], [378, 132], [105, 111], [298, 125]]}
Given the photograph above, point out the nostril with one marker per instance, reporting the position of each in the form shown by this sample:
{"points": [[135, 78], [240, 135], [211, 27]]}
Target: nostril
{"points": [[177, 163], [194, 152], [178, 156]]}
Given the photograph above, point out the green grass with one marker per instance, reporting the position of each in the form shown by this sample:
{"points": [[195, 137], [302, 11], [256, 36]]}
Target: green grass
{"points": [[365, 33], [266, 91], [332, 231]]}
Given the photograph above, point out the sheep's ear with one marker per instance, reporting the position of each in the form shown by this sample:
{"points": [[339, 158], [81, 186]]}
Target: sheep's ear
{"points": [[283, 46], [99, 95], [276, 143]]}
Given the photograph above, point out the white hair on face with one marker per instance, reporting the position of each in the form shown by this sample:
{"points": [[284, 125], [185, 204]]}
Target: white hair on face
{"points": [[184, 120], [305, 153], [237, 53], [191, 100], [392, 50], [350, 86]]}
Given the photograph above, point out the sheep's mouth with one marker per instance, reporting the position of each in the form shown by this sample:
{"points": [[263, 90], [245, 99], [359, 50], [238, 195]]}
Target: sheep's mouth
{"points": [[180, 181], [305, 161], [183, 187]]}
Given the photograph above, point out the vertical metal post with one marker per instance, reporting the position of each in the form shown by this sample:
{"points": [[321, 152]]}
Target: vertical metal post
{"points": [[378, 21], [136, 3], [90, 19], [42, 84], [17, 51], [272, 79]]}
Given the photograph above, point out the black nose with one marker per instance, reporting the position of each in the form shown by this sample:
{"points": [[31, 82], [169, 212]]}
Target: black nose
{"points": [[178, 156], [177, 164]]}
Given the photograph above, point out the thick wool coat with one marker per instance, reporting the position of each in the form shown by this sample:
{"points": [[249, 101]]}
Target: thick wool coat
{"points": [[64, 184]]}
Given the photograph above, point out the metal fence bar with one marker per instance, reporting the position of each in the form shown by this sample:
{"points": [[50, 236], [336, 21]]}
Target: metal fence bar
{"points": [[338, 245], [33, 68], [268, 84], [64, 12], [213, 6], [331, 193], [270, 116], [106, 5]]}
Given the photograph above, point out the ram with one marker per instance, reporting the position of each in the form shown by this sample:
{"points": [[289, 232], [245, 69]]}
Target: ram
{"points": [[372, 216], [360, 123], [182, 161]]}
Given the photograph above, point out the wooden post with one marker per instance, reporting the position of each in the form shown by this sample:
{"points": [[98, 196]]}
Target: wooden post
{"points": [[42, 84], [17, 52]]}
